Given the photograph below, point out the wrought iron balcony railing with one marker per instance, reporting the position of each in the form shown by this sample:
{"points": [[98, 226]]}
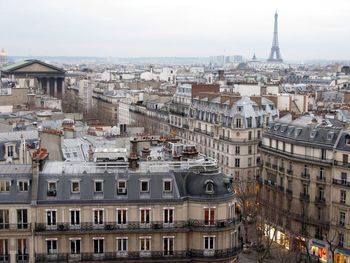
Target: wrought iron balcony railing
{"points": [[18, 226], [141, 255]]}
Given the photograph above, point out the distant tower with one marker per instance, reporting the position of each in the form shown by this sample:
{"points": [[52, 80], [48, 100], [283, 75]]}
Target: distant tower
{"points": [[275, 55], [3, 58]]}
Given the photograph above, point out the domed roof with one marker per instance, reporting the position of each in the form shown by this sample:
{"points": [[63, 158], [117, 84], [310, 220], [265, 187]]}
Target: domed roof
{"points": [[2, 53]]}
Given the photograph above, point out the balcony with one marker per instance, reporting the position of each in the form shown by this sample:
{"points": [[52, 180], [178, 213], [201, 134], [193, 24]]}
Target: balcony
{"points": [[320, 200], [341, 182], [5, 257], [321, 179], [151, 255], [270, 182], [268, 164], [290, 172], [51, 193], [204, 132], [340, 163], [294, 156], [281, 188], [281, 169], [12, 227], [304, 197], [22, 258], [137, 226], [274, 166], [305, 175]]}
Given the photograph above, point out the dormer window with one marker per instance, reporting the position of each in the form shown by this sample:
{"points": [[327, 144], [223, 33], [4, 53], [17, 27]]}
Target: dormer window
{"points": [[10, 151], [167, 185], [5, 185], [239, 108], [313, 133], [144, 186], [297, 131], [209, 187], [75, 187], [98, 186], [330, 136], [121, 187], [23, 185], [51, 188]]}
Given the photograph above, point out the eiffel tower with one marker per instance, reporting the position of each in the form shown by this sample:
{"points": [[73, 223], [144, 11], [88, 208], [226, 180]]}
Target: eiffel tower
{"points": [[275, 55]]}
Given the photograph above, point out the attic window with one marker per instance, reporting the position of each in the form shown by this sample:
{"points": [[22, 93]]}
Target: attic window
{"points": [[330, 135], [209, 187], [239, 108], [297, 132], [290, 129], [283, 128], [277, 126], [313, 133]]}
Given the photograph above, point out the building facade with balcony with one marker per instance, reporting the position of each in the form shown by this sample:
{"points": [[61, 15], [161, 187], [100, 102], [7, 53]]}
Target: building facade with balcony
{"points": [[301, 201], [93, 212]]}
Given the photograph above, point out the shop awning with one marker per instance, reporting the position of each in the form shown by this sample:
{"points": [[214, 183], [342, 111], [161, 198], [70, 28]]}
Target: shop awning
{"points": [[318, 244], [345, 252]]}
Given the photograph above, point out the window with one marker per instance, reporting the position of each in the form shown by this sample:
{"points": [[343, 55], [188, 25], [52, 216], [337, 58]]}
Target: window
{"points": [[342, 196], [4, 186], [345, 158], [10, 151], [249, 149], [145, 245], [121, 187], [4, 219], [167, 186], [305, 189], [209, 216], [51, 218], [344, 178], [75, 246], [249, 135], [237, 162], [51, 188], [98, 216], [122, 215], [249, 122], [122, 244], [22, 251], [209, 242], [145, 215], [342, 218], [23, 186], [238, 150], [258, 135], [51, 246], [249, 162], [98, 245], [323, 154], [75, 187], [209, 187], [144, 186], [75, 217], [22, 218], [291, 148], [98, 186], [238, 123], [340, 239], [168, 215], [168, 246]]}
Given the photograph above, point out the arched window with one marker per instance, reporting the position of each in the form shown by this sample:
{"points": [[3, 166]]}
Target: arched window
{"points": [[209, 187]]}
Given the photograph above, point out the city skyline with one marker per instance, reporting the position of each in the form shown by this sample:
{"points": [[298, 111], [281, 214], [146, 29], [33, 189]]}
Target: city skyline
{"points": [[175, 29]]}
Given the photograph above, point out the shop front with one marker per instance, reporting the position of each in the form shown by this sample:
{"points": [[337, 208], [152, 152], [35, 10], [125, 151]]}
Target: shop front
{"points": [[319, 250], [342, 255]]}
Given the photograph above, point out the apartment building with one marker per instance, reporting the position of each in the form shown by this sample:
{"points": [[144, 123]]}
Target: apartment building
{"points": [[154, 211], [303, 186]]}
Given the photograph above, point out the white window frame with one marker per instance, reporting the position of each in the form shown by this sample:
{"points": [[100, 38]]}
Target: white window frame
{"points": [[99, 245], [209, 249], [145, 240], [21, 184], [74, 211], [167, 216], [171, 185], [53, 223], [102, 186], [148, 183], [211, 221], [122, 249], [122, 210], [47, 249], [122, 190], [72, 188], [148, 210], [5, 185], [94, 210], [74, 239], [168, 238]]}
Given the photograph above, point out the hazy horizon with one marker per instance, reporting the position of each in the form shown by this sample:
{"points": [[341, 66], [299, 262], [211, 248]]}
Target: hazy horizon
{"points": [[308, 30]]}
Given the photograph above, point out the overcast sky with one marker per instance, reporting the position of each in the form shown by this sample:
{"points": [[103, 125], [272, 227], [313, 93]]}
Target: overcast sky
{"points": [[308, 29]]}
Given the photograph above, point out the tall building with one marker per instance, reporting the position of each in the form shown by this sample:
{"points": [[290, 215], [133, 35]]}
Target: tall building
{"points": [[3, 58], [304, 186], [135, 208], [275, 55]]}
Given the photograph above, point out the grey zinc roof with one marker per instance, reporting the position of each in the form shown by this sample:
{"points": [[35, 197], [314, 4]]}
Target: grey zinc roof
{"points": [[302, 130], [14, 173], [87, 193]]}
